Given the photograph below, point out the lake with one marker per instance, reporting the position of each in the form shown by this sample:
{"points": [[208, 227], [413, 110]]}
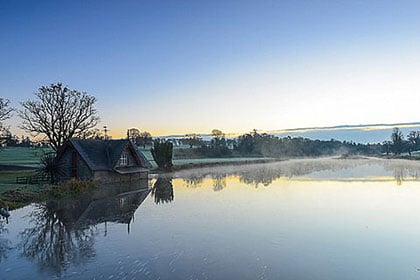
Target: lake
{"points": [[297, 219]]}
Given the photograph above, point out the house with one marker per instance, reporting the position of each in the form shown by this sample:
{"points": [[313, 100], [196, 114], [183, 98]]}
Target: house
{"points": [[102, 160]]}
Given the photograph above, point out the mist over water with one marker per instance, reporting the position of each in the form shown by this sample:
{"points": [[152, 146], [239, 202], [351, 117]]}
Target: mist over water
{"points": [[331, 168], [323, 218]]}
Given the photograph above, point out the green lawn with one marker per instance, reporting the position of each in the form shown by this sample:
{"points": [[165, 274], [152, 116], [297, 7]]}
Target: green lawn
{"points": [[8, 179], [28, 157], [21, 156]]}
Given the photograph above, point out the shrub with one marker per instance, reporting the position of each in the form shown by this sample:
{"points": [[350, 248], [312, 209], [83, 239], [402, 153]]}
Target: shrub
{"points": [[50, 167]]}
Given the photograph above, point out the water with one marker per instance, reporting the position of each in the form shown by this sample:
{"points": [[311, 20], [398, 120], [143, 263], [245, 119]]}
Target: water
{"points": [[302, 219]]}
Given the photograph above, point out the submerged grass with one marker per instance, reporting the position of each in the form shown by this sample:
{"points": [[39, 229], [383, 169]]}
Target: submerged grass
{"points": [[22, 195]]}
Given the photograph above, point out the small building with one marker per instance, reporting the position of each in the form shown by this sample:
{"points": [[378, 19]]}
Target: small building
{"points": [[102, 160]]}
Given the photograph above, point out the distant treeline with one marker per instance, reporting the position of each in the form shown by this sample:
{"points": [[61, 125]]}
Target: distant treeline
{"points": [[265, 145], [262, 144], [269, 145]]}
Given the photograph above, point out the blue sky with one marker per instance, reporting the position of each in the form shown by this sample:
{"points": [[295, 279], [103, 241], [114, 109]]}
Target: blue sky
{"points": [[189, 66]]}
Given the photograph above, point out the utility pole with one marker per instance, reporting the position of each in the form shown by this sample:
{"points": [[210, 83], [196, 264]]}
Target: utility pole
{"points": [[105, 132]]}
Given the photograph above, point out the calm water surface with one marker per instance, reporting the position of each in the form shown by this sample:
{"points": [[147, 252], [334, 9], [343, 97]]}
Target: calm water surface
{"points": [[302, 219]]}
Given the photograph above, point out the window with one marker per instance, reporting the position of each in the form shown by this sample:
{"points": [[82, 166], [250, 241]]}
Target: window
{"points": [[124, 159]]}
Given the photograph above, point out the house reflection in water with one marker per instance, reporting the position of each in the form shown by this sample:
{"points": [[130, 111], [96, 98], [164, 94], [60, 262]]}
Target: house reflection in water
{"points": [[62, 232], [115, 203]]}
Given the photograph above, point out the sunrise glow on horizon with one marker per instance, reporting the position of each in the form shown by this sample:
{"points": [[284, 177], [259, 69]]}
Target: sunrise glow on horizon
{"points": [[177, 67]]}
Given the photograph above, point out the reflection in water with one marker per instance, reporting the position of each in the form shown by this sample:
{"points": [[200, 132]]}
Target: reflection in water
{"points": [[4, 243], [265, 174], [163, 190], [257, 174], [62, 232], [399, 176], [193, 182], [53, 242], [402, 171], [219, 182], [330, 219]]}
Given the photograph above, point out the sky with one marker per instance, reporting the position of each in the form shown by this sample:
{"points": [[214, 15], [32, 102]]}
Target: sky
{"points": [[176, 67]]}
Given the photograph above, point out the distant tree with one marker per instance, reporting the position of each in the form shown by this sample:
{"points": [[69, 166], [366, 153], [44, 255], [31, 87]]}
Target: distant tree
{"points": [[144, 138], [94, 133], [59, 113], [193, 140], [11, 140], [397, 141], [386, 147], [132, 134], [218, 145], [414, 139], [218, 138], [162, 152], [217, 134], [246, 144]]}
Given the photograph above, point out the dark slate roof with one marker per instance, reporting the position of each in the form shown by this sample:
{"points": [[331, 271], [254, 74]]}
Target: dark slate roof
{"points": [[105, 154]]}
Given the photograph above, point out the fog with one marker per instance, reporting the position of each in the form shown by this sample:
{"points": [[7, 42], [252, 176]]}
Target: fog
{"points": [[331, 168]]}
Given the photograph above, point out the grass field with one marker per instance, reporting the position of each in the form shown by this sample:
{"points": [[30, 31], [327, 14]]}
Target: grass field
{"points": [[8, 179], [21, 156]]}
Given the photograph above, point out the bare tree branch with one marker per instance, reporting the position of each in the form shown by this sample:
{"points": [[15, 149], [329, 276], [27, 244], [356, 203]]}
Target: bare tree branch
{"points": [[5, 109], [59, 113]]}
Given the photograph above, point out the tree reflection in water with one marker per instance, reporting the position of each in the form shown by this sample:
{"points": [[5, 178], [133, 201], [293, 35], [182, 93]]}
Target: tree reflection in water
{"points": [[4, 243], [193, 182], [219, 182], [403, 171], [53, 242], [62, 232], [265, 174], [163, 190]]}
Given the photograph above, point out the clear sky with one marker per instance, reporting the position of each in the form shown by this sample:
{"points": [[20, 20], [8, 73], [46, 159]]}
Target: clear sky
{"points": [[173, 67]]}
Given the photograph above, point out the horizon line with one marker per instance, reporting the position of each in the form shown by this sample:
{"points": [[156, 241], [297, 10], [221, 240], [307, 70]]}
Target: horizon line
{"points": [[377, 126]]}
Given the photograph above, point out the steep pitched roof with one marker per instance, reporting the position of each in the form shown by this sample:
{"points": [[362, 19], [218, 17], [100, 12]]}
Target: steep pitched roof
{"points": [[105, 154]]}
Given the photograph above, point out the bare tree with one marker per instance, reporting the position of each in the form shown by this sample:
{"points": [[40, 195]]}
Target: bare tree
{"points": [[5, 109], [5, 113], [59, 113]]}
